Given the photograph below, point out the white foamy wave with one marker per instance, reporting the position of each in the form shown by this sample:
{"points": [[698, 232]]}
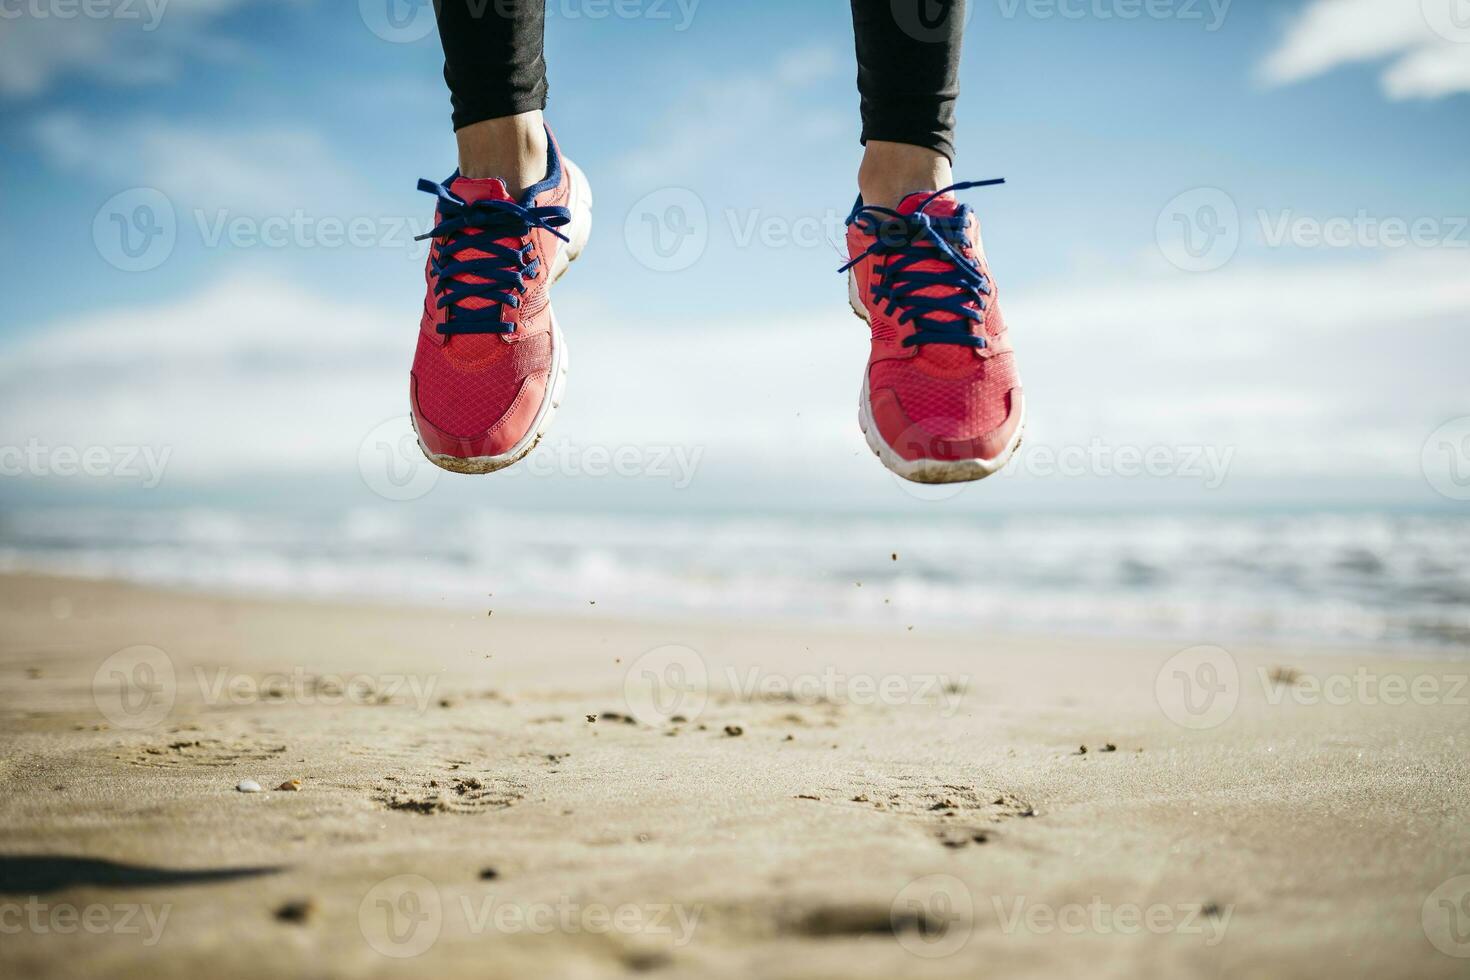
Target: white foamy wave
{"points": [[1320, 578]]}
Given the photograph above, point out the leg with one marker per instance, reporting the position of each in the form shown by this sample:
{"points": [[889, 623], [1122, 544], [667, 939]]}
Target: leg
{"points": [[496, 71], [941, 401], [491, 361], [908, 76]]}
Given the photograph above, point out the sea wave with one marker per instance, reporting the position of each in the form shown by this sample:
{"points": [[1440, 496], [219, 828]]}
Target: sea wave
{"points": [[1315, 578]]}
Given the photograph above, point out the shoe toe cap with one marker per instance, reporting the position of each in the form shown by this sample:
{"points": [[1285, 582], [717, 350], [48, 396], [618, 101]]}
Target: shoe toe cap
{"points": [[478, 430], [948, 437]]}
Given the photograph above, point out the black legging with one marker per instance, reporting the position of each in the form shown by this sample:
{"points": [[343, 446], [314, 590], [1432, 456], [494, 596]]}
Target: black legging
{"points": [[908, 54]]}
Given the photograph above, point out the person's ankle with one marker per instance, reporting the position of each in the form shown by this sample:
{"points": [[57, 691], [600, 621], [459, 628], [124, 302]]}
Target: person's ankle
{"points": [[512, 148], [892, 171]]}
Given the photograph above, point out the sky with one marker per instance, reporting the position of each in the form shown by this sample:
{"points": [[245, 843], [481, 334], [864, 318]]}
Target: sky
{"points": [[1230, 231]]}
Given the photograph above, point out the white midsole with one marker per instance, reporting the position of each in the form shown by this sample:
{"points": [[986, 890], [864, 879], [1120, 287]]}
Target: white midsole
{"points": [[578, 231], [581, 227], [923, 470]]}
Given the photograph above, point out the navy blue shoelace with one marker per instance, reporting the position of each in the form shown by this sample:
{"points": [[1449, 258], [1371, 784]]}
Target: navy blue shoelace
{"points": [[905, 240], [504, 269]]}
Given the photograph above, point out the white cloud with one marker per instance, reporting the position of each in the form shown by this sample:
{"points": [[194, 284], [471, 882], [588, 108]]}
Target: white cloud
{"points": [[1308, 369], [248, 374], [252, 375], [1430, 72], [1341, 368], [131, 43], [1427, 52], [250, 168], [249, 318]]}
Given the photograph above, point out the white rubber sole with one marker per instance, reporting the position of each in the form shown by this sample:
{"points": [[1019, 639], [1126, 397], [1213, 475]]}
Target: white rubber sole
{"points": [[579, 231], [930, 471]]}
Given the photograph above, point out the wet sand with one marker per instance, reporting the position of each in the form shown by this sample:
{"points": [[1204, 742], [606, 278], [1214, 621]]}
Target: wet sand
{"points": [[497, 795]]}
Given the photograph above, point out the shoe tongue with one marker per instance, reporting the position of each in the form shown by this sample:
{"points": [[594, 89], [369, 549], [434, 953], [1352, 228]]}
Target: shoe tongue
{"points": [[471, 189], [943, 206]]}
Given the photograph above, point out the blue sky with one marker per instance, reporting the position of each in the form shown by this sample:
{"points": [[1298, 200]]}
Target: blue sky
{"points": [[1313, 362]]}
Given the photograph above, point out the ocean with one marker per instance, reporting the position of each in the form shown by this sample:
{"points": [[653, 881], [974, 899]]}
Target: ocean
{"points": [[1316, 579]]}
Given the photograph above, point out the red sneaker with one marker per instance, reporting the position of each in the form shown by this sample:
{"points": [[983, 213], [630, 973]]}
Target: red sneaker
{"points": [[941, 401], [491, 362]]}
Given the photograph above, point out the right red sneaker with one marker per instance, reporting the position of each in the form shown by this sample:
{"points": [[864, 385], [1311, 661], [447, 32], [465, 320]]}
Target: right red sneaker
{"points": [[941, 401], [491, 362]]}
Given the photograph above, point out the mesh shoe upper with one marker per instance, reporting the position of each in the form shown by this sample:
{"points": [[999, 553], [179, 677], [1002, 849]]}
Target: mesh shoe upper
{"points": [[936, 399], [477, 393]]}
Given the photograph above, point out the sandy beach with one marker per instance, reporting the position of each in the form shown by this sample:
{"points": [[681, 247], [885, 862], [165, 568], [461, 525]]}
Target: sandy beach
{"points": [[482, 794]]}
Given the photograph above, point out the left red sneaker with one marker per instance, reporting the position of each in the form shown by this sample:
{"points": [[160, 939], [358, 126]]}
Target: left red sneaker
{"points": [[491, 361], [941, 400]]}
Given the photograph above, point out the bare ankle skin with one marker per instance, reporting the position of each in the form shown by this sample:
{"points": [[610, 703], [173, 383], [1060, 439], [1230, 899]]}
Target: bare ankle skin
{"points": [[892, 171], [512, 148]]}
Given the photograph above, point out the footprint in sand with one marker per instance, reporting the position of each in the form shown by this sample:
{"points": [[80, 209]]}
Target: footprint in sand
{"points": [[960, 814], [209, 752], [454, 790]]}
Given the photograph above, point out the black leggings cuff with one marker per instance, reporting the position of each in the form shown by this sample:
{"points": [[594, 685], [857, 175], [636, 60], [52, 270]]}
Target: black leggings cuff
{"points": [[468, 112], [940, 140]]}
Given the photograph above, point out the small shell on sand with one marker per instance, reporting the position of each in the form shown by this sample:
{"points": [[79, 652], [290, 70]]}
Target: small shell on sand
{"points": [[290, 786], [249, 786]]}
